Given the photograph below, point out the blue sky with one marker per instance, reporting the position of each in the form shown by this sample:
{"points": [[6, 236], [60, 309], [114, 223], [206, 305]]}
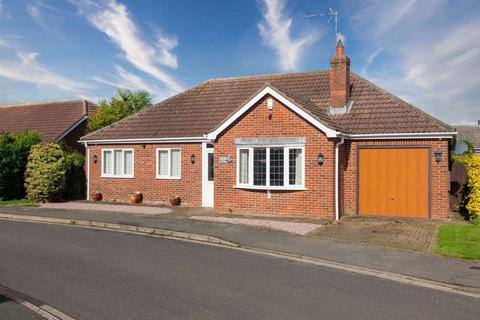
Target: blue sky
{"points": [[427, 52]]}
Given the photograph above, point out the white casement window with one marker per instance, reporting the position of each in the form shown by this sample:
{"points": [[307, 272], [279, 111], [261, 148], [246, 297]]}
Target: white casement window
{"points": [[271, 167], [117, 163], [169, 162]]}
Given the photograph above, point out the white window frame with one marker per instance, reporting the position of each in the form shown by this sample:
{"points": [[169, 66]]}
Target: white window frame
{"points": [[169, 157], [286, 168], [113, 175]]}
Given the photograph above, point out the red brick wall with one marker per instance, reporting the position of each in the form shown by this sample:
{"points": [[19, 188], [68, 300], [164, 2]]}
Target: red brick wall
{"points": [[189, 187], [319, 180], [440, 174]]}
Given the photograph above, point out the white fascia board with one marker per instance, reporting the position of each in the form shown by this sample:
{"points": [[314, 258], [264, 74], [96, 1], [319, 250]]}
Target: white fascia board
{"points": [[330, 133], [147, 140], [76, 124], [390, 136]]}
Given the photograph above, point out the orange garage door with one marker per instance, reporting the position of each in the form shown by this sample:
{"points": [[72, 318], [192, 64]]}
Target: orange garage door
{"points": [[394, 182]]}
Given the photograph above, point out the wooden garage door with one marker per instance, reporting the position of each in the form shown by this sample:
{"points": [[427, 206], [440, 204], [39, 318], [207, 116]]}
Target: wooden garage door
{"points": [[394, 182]]}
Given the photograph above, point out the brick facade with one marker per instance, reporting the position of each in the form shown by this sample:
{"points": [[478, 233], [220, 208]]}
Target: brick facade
{"points": [[317, 200], [440, 174], [260, 122], [189, 187]]}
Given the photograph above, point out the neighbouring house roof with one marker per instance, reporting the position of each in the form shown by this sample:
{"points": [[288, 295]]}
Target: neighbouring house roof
{"points": [[202, 109], [51, 119], [469, 133]]}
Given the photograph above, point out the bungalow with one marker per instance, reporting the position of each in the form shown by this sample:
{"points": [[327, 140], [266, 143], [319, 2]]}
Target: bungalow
{"points": [[322, 144], [471, 134], [56, 121]]}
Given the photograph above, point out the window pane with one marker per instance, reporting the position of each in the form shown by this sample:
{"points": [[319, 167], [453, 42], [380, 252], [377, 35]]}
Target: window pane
{"points": [[163, 163], [175, 154], [107, 162], [127, 162], [211, 167], [295, 167], [117, 162], [243, 175], [276, 166], [260, 166]]}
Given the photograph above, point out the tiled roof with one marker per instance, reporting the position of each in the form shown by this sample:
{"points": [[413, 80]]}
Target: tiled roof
{"points": [[50, 119], [203, 108], [469, 133]]}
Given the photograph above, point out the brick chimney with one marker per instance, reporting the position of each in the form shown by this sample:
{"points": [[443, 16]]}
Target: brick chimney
{"points": [[339, 80]]}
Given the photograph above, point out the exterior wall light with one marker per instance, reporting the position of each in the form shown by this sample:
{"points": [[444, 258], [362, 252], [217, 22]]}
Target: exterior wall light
{"points": [[192, 158], [321, 159], [95, 159], [438, 156]]}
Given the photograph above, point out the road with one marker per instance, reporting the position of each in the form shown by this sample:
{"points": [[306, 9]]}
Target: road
{"points": [[91, 274]]}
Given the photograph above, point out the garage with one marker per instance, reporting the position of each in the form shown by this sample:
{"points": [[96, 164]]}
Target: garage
{"points": [[393, 182]]}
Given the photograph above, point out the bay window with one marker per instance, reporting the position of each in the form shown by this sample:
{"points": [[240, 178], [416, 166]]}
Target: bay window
{"points": [[117, 163], [270, 167]]}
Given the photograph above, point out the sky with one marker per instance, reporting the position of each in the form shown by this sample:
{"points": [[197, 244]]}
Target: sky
{"points": [[426, 52]]}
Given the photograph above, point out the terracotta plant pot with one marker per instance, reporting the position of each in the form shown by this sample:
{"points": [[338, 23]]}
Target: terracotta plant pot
{"points": [[175, 201], [96, 196], [136, 198]]}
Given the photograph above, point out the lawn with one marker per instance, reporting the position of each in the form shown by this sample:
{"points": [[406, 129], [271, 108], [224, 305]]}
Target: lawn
{"points": [[460, 241], [17, 202]]}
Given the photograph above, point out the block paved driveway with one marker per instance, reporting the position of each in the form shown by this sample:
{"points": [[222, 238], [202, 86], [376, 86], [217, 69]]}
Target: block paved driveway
{"points": [[408, 234]]}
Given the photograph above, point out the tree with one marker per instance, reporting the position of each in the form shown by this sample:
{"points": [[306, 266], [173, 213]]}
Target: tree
{"points": [[14, 150], [122, 104]]}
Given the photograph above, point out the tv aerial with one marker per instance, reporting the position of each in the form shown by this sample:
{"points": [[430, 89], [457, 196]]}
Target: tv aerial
{"points": [[330, 14]]}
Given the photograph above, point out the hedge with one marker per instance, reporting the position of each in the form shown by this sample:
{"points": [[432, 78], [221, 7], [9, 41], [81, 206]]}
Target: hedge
{"points": [[14, 150], [471, 201]]}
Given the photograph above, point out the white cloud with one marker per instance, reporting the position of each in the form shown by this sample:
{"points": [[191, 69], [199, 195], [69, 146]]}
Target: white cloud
{"points": [[114, 20], [437, 68], [26, 68], [127, 80], [275, 30]]}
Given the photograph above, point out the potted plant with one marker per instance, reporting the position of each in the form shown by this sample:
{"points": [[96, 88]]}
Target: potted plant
{"points": [[136, 197], [174, 200], [96, 196]]}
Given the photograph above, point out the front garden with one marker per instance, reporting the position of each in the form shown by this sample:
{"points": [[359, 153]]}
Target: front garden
{"points": [[32, 172]]}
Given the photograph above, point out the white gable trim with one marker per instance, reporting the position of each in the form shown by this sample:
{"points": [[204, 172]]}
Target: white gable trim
{"points": [[330, 133]]}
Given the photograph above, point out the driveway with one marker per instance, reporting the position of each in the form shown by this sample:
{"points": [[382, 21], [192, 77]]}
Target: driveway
{"points": [[91, 274], [407, 234]]}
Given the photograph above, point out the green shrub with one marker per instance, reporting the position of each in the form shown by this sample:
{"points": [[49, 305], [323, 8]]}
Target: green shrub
{"points": [[14, 150], [471, 200], [46, 172]]}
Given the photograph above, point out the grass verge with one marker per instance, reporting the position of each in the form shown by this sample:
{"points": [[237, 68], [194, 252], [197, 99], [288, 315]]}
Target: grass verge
{"points": [[460, 241], [17, 202]]}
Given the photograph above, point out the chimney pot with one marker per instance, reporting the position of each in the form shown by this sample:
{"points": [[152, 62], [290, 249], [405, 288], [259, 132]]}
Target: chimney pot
{"points": [[340, 50]]}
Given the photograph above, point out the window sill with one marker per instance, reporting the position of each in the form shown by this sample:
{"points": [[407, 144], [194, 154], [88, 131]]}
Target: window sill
{"points": [[271, 188], [117, 177], [167, 178]]}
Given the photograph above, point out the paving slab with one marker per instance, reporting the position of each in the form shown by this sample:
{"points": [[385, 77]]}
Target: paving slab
{"points": [[99, 206], [292, 227]]}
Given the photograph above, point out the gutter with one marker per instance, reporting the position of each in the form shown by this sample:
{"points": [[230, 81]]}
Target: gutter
{"points": [[337, 183], [389, 136], [148, 140]]}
